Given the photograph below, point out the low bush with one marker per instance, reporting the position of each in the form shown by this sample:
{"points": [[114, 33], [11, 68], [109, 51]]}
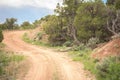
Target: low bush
{"points": [[67, 43], [80, 47], [26, 38], [92, 43], [38, 36], [2, 45], [109, 69], [34, 42], [84, 56]]}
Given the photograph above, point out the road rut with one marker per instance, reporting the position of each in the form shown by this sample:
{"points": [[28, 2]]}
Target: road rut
{"points": [[46, 64]]}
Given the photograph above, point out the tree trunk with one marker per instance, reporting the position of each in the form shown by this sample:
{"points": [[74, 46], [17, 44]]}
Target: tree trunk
{"points": [[73, 32], [114, 27]]}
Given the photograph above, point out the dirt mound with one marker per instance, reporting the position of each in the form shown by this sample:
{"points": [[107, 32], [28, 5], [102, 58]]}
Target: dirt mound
{"points": [[38, 34], [111, 48], [33, 32]]}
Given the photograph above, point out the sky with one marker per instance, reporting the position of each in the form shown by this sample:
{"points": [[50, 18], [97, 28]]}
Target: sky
{"points": [[26, 10]]}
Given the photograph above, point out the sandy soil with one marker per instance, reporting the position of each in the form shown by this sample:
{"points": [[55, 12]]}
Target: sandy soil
{"points": [[46, 64]]}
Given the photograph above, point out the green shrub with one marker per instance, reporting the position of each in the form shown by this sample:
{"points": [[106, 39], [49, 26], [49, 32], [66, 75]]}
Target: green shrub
{"points": [[55, 40], [80, 47], [1, 35], [26, 38], [92, 42], [2, 45], [38, 36], [109, 69], [67, 43], [84, 56]]}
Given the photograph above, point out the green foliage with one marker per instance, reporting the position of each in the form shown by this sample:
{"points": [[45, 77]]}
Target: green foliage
{"points": [[84, 57], [3, 26], [37, 23], [17, 58], [67, 44], [39, 35], [90, 20], [77, 21], [110, 2], [52, 28], [34, 42], [70, 8], [79, 48], [109, 69], [10, 23], [1, 35], [114, 3], [2, 45], [26, 25], [113, 19], [92, 42], [117, 4], [26, 38]]}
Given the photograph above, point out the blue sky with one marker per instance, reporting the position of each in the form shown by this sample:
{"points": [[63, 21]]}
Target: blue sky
{"points": [[26, 10], [27, 13]]}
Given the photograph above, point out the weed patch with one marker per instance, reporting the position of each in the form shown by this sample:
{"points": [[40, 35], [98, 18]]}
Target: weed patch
{"points": [[84, 57], [9, 64], [34, 42]]}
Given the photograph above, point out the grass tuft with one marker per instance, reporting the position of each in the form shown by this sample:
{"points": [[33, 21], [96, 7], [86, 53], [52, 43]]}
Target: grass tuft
{"points": [[84, 57], [9, 64]]}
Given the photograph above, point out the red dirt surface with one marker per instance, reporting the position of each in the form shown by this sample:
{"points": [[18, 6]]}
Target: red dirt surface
{"points": [[111, 48], [46, 64]]}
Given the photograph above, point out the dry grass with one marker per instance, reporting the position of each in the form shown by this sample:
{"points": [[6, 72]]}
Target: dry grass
{"points": [[13, 66]]}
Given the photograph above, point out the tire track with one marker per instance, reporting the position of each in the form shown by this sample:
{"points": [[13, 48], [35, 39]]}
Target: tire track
{"points": [[46, 63]]}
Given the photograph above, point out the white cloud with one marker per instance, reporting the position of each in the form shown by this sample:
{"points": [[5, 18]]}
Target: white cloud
{"points": [[49, 4]]}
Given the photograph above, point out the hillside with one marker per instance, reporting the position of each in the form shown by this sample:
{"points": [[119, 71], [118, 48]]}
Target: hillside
{"points": [[109, 49], [38, 34]]}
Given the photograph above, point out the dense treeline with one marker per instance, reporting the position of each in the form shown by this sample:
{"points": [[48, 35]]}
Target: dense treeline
{"points": [[11, 24], [78, 21]]}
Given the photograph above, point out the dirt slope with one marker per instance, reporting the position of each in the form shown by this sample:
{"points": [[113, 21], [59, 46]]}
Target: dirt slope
{"points": [[46, 64], [111, 48]]}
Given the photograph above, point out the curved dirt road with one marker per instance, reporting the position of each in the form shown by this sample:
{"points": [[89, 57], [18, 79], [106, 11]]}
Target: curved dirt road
{"points": [[46, 64]]}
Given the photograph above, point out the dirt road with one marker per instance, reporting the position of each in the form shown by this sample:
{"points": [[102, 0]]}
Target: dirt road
{"points": [[46, 64]]}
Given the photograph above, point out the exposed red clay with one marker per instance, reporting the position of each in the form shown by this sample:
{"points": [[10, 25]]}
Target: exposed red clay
{"points": [[111, 48]]}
